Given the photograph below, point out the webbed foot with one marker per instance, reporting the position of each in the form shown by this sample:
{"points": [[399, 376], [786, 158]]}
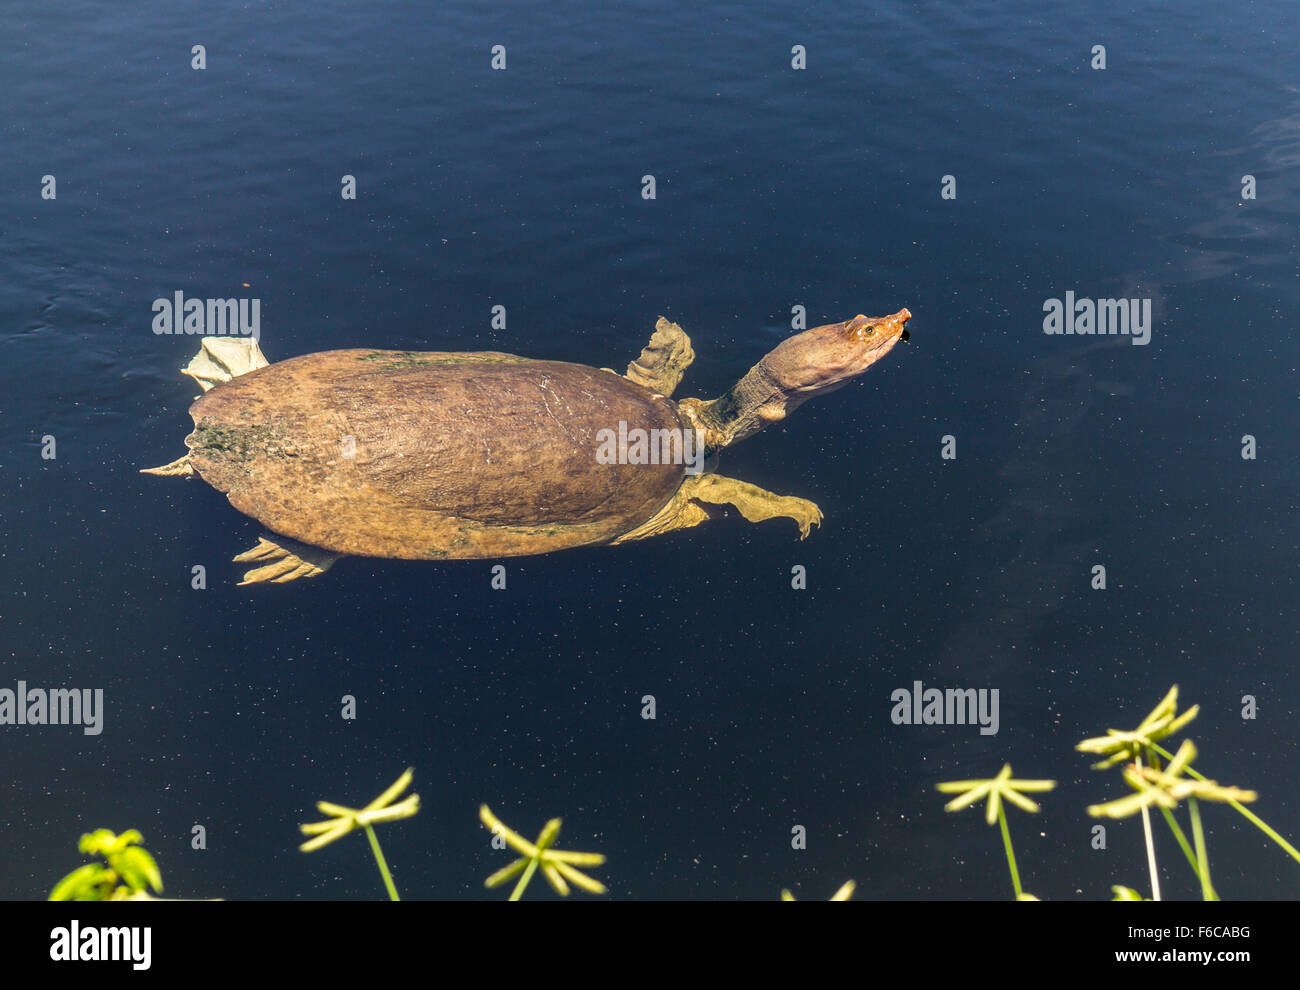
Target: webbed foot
{"points": [[756, 504], [285, 560], [697, 500], [223, 358], [664, 360]]}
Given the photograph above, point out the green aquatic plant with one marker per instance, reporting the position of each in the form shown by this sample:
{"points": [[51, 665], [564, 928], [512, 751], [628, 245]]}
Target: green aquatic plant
{"points": [[1159, 779], [996, 790], [344, 820], [843, 894], [1165, 785], [557, 865], [1120, 746], [126, 871]]}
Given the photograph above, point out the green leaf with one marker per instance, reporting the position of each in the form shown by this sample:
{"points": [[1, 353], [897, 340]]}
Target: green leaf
{"points": [[506, 873], [99, 841], [137, 868], [82, 884]]}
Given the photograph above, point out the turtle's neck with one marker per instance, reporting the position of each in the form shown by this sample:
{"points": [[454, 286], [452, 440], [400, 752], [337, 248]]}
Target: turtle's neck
{"points": [[744, 409]]}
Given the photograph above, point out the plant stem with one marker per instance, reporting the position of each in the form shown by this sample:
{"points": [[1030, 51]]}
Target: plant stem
{"points": [[1011, 856], [1249, 815], [1202, 857], [529, 870], [1182, 839], [1151, 848], [383, 866]]}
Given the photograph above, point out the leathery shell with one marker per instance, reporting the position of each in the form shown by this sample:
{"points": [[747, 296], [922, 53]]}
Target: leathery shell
{"points": [[432, 454]]}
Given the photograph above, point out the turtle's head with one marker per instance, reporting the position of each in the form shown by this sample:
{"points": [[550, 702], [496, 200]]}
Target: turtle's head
{"points": [[818, 360], [825, 358]]}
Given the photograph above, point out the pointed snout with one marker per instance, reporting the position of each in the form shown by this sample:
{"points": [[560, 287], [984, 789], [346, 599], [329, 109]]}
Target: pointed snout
{"points": [[888, 327]]}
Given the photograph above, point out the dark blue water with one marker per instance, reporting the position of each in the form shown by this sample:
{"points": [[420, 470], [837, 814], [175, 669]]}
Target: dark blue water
{"points": [[776, 187]]}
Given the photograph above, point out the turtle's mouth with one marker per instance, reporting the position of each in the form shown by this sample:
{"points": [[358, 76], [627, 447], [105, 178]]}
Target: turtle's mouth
{"points": [[906, 336]]}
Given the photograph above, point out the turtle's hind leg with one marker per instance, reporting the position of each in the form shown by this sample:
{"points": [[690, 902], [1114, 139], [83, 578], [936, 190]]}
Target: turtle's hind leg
{"points": [[219, 360], [223, 358], [284, 559]]}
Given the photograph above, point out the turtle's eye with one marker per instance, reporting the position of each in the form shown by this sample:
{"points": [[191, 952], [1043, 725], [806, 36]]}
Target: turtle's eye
{"points": [[866, 331]]}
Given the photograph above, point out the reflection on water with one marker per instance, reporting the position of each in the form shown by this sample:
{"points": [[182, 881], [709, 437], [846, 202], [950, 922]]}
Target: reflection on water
{"points": [[1254, 237]]}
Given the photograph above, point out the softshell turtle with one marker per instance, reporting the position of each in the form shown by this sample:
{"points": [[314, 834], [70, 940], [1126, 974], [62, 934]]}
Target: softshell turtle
{"points": [[434, 455]]}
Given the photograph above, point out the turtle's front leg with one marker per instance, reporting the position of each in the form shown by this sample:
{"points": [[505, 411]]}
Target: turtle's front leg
{"points": [[755, 504], [664, 360], [695, 503]]}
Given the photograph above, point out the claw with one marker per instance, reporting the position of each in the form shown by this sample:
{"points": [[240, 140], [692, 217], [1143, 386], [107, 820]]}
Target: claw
{"points": [[807, 523]]}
